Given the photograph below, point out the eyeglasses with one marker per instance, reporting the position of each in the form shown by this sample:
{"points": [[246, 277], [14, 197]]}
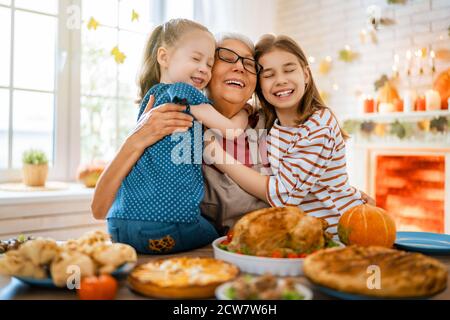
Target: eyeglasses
{"points": [[230, 56]]}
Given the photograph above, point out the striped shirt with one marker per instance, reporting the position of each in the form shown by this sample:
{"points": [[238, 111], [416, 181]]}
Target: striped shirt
{"points": [[309, 169]]}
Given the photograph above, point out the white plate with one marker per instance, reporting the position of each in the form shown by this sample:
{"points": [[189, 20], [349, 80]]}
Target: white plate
{"points": [[301, 289], [284, 267], [47, 282], [260, 265]]}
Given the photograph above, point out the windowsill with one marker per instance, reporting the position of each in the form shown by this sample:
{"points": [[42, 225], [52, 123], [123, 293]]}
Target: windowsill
{"points": [[75, 192]]}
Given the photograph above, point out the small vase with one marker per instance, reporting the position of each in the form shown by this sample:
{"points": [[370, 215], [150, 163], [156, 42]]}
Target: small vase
{"points": [[35, 175]]}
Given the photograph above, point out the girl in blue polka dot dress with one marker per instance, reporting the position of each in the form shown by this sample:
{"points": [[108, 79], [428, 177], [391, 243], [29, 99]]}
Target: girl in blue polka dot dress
{"points": [[156, 209]]}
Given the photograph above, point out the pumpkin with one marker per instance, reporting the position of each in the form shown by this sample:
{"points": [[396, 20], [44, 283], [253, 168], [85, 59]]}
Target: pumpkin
{"points": [[388, 93], [103, 287], [89, 174], [442, 85], [367, 225]]}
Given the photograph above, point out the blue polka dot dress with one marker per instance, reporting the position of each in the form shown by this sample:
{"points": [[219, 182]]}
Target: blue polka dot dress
{"points": [[166, 183]]}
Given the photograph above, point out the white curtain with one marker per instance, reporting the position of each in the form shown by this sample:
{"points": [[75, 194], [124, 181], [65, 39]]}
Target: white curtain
{"points": [[249, 17]]}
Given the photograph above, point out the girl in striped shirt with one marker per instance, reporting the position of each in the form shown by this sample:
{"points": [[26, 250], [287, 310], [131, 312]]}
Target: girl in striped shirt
{"points": [[306, 146]]}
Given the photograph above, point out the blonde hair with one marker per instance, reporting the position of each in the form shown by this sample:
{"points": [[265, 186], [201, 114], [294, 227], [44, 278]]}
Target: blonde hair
{"points": [[311, 100], [166, 34]]}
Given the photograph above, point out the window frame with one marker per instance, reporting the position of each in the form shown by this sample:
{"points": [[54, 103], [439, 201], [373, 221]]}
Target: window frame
{"points": [[65, 115], [67, 91]]}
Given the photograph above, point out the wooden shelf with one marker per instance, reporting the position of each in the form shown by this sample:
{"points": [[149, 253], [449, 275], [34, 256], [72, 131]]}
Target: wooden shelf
{"points": [[392, 116]]}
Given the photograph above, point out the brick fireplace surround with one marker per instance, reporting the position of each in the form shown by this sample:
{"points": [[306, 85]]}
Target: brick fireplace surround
{"points": [[411, 183]]}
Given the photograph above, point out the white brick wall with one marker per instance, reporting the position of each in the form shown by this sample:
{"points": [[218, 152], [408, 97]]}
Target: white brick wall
{"points": [[323, 27]]}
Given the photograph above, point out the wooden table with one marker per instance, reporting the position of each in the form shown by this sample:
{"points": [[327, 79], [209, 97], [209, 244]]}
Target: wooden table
{"points": [[15, 289]]}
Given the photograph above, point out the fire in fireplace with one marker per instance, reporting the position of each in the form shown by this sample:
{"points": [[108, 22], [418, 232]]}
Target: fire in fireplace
{"points": [[412, 189]]}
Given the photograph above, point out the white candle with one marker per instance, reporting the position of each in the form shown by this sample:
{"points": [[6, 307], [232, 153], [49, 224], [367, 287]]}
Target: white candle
{"points": [[432, 100], [409, 100], [419, 55], [385, 107], [432, 57]]}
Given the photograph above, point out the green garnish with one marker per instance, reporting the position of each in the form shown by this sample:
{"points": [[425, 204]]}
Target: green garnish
{"points": [[292, 295], [332, 244], [223, 247], [248, 278], [230, 292], [245, 250]]}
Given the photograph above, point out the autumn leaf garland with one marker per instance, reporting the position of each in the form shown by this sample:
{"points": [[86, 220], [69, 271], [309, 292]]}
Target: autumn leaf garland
{"points": [[119, 56]]}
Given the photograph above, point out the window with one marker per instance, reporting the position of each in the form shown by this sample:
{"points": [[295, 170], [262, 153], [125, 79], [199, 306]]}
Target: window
{"points": [[27, 79], [108, 89], [58, 84], [179, 9]]}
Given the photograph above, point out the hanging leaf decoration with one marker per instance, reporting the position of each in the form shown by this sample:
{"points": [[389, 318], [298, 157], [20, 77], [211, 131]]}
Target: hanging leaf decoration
{"points": [[367, 127], [371, 34], [398, 129], [351, 126], [119, 56], [396, 1], [380, 129], [427, 129], [92, 24], [325, 66], [347, 55], [424, 125], [439, 124], [387, 21], [134, 16], [379, 83]]}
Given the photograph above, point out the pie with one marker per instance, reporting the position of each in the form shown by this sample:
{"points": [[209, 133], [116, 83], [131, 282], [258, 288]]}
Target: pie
{"points": [[352, 270], [181, 277], [289, 229]]}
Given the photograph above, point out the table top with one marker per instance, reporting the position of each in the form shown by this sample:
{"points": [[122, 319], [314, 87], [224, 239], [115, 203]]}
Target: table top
{"points": [[17, 290]]}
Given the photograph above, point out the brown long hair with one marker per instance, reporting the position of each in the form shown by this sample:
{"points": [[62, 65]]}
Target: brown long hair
{"points": [[311, 100], [166, 34]]}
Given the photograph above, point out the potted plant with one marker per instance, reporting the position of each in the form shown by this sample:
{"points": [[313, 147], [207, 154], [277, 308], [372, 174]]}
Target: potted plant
{"points": [[35, 168]]}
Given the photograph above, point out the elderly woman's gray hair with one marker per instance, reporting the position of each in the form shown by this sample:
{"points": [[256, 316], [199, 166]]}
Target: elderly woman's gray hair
{"points": [[221, 37]]}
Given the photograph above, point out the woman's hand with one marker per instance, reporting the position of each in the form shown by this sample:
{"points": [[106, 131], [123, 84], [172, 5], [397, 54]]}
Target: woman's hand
{"points": [[155, 124], [367, 199]]}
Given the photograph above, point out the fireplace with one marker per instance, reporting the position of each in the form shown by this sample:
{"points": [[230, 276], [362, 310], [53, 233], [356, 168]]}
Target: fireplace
{"points": [[411, 182], [412, 189]]}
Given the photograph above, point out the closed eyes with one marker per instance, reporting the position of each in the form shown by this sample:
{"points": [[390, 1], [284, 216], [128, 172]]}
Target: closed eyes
{"points": [[269, 75]]}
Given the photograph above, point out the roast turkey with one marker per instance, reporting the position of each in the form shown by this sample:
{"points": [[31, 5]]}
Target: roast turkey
{"points": [[287, 229]]}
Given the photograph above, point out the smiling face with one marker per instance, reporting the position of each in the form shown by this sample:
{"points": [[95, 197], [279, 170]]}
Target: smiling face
{"points": [[282, 79], [231, 85], [190, 61]]}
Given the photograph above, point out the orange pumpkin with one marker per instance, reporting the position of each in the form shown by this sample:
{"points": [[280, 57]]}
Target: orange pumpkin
{"points": [[90, 173], [442, 85], [388, 93], [367, 225]]}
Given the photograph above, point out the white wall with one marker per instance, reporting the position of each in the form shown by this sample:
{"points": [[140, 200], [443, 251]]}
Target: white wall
{"points": [[250, 17], [323, 27]]}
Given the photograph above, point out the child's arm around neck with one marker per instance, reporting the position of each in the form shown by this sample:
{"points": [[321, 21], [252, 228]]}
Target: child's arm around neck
{"points": [[204, 112], [211, 118]]}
